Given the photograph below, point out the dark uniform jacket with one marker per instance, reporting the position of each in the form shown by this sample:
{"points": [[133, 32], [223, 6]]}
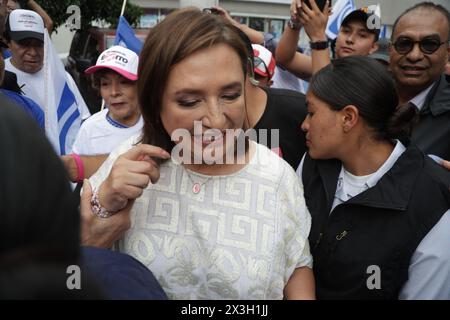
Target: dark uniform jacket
{"points": [[432, 133], [381, 227]]}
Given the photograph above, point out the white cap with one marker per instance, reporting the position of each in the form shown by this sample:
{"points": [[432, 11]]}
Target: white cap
{"points": [[120, 59], [23, 24], [267, 68]]}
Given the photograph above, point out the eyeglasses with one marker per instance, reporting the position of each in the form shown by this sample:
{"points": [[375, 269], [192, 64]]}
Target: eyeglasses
{"points": [[404, 45]]}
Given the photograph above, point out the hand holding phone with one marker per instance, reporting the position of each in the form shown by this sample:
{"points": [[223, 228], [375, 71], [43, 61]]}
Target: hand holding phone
{"points": [[320, 4], [314, 18], [212, 11]]}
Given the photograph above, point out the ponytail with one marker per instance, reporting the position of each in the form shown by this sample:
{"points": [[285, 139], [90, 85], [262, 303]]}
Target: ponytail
{"points": [[401, 123]]}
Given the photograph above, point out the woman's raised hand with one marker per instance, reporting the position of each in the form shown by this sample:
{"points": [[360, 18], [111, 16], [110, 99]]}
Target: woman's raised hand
{"points": [[130, 175]]}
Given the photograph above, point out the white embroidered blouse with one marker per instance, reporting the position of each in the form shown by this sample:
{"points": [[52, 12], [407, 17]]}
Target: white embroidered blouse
{"points": [[240, 237]]}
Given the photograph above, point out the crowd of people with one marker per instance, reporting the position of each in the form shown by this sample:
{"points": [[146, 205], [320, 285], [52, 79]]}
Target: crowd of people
{"points": [[207, 177]]}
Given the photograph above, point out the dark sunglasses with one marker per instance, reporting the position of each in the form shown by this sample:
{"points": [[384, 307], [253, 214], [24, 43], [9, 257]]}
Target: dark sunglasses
{"points": [[404, 45]]}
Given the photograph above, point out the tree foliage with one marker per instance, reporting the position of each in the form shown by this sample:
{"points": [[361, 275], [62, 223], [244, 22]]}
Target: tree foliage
{"points": [[91, 10]]}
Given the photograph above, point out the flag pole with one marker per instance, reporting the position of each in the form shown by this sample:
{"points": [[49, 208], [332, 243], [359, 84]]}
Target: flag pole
{"points": [[124, 4], [123, 7]]}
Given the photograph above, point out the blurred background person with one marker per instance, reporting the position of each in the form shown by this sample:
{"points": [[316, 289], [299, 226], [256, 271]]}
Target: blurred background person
{"points": [[419, 52], [41, 230], [354, 38], [115, 76], [24, 33], [264, 65]]}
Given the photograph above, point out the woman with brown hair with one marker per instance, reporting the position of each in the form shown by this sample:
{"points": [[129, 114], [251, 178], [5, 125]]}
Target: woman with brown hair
{"points": [[217, 221]]}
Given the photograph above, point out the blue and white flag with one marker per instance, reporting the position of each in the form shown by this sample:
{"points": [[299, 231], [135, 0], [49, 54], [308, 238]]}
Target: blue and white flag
{"points": [[64, 107], [125, 36], [340, 10], [383, 32]]}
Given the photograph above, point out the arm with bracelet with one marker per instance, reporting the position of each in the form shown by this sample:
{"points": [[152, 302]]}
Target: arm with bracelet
{"points": [[82, 167], [129, 174], [286, 53], [314, 21], [98, 232]]}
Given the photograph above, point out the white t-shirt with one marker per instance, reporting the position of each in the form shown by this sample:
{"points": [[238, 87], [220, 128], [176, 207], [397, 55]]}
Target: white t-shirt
{"points": [[32, 85], [419, 100], [240, 237], [98, 136], [283, 79]]}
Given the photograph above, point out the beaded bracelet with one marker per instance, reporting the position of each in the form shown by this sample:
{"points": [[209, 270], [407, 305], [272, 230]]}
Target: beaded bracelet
{"points": [[97, 208]]}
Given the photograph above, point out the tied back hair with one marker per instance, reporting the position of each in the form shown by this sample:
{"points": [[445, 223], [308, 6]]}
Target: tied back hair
{"points": [[366, 84]]}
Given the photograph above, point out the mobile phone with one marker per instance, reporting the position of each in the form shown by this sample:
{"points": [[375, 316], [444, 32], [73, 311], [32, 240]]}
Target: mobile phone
{"points": [[211, 10], [320, 3]]}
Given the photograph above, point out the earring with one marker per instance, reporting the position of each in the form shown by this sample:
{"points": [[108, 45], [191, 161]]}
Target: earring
{"points": [[254, 82]]}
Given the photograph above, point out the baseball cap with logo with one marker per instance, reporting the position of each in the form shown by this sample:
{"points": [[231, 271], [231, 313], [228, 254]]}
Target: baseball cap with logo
{"points": [[264, 61], [119, 59], [23, 24], [363, 14]]}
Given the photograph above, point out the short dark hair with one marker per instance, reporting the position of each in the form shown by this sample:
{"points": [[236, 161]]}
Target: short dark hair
{"points": [[425, 5], [97, 76], [364, 83], [38, 210]]}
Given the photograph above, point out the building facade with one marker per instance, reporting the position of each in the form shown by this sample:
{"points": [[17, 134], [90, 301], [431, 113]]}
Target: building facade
{"points": [[268, 15], [262, 15]]}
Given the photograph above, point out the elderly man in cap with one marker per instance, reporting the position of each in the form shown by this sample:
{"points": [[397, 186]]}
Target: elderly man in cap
{"points": [[354, 38], [24, 33], [8, 84], [419, 52]]}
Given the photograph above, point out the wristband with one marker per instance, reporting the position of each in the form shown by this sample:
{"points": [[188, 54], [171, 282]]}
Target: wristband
{"points": [[80, 167], [318, 45]]}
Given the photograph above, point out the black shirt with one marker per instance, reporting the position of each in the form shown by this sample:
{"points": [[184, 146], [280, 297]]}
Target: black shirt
{"points": [[285, 110]]}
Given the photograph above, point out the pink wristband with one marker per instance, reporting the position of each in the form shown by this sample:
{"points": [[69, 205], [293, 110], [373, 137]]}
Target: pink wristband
{"points": [[80, 166]]}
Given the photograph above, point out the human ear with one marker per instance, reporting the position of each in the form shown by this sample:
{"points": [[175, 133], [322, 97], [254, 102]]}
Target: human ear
{"points": [[374, 48], [350, 116]]}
